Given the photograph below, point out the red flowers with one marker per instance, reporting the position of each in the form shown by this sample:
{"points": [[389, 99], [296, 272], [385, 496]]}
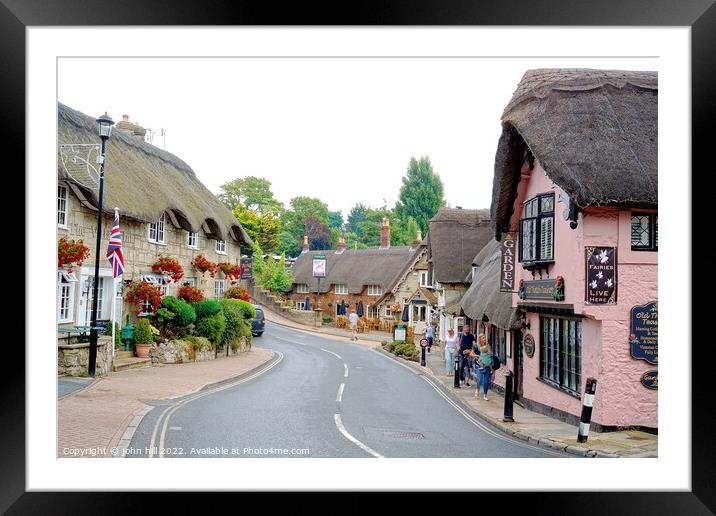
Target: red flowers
{"points": [[202, 265], [230, 270], [170, 266], [71, 251], [237, 293], [190, 294], [145, 296]]}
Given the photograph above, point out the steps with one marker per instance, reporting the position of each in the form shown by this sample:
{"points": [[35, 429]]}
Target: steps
{"points": [[124, 360]]}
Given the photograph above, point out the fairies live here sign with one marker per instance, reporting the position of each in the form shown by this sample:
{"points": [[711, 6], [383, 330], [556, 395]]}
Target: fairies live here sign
{"points": [[601, 275]]}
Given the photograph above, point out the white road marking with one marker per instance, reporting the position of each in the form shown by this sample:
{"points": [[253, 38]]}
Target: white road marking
{"points": [[345, 366], [332, 353], [339, 398], [352, 439]]}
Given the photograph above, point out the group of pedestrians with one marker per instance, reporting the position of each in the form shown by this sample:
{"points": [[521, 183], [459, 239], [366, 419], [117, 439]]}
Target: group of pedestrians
{"points": [[472, 353]]}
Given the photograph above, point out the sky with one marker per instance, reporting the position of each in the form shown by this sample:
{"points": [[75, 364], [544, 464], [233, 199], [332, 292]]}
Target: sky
{"points": [[339, 129]]}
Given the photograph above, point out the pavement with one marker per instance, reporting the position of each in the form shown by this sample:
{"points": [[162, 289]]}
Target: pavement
{"points": [[117, 401], [529, 426]]}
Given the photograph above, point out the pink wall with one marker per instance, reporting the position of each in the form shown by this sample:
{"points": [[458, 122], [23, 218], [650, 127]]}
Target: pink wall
{"points": [[621, 399]]}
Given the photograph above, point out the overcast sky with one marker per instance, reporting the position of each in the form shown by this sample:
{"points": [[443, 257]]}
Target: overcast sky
{"points": [[342, 130]]}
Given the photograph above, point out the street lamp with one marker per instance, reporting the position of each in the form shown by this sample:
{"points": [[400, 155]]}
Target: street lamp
{"points": [[105, 130]]}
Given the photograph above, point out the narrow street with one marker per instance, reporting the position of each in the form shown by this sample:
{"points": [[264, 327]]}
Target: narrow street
{"points": [[322, 397]]}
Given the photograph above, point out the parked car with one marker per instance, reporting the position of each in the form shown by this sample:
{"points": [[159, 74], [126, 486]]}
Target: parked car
{"points": [[258, 323]]}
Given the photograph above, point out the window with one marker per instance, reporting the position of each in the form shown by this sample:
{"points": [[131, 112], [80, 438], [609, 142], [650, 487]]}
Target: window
{"points": [[497, 339], [387, 312], [423, 275], [341, 289], [419, 312], [156, 230], [375, 290], [219, 287], [65, 296], [644, 231], [537, 229], [192, 240], [190, 282], [561, 352], [302, 288], [157, 280], [300, 305], [89, 286], [474, 270], [62, 206], [221, 246]]}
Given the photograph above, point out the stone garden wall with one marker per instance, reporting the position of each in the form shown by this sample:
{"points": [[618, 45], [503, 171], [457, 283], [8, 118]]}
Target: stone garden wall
{"points": [[73, 357], [268, 300], [178, 352]]}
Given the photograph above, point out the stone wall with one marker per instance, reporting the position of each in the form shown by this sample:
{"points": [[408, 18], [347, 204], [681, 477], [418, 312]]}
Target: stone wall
{"points": [[271, 302], [177, 352], [73, 357]]}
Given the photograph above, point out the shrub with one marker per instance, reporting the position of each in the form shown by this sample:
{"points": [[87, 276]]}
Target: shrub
{"points": [[117, 332], [183, 311], [246, 308], [143, 332], [389, 346], [206, 308], [238, 321], [212, 327], [145, 296]]}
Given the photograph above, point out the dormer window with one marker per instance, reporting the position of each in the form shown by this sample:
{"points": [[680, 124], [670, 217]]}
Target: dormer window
{"points": [[375, 290], [341, 288], [537, 230], [302, 288], [156, 230]]}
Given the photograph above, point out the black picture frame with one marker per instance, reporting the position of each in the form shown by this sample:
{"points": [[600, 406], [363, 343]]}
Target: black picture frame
{"points": [[700, 15]]}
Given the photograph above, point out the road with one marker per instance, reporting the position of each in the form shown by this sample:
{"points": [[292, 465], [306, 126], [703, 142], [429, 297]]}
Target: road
{"points": [[322, 397]]}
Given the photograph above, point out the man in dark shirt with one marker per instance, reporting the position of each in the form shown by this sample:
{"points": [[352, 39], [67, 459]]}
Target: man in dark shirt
{"points": [[467, 339]]}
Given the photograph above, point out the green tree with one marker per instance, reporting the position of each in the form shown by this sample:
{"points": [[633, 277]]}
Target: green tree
{"points": [[421, 195], [262, 228], [293, 222], [253, 193], [335, 219], [356, 215]]}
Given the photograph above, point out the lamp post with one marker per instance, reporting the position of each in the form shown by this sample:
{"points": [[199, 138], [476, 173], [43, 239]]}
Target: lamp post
{"points": [[105, 129]]}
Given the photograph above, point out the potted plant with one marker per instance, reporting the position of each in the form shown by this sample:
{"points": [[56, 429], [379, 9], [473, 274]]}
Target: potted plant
{"points": [[71, 252], [202, 265], [143, 337]]}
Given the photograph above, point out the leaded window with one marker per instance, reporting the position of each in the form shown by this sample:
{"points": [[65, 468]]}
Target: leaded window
{"points": [[561, 352], [537, 229], [644, 231]]}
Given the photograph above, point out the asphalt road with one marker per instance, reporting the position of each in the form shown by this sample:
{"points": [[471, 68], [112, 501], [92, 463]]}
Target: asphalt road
{"points": [[322, 397]]}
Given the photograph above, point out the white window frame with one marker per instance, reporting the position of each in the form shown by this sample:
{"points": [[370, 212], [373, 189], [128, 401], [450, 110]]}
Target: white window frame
{"points": [[423, 278], [66, 281], [375, 290], [65, 199], [301, 288], [192, 236], [343, 288], [388, 312], [157, 229], [189, 281], [220, 247], [159, 280], [219, 288], [300, 305]]}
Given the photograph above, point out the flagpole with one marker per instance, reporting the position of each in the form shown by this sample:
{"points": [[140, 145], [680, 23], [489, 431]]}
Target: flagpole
{"points": [[114, 302]]}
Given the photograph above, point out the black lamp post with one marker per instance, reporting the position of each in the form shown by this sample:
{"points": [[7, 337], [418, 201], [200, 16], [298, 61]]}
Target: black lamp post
{"points": [[105, 129]]}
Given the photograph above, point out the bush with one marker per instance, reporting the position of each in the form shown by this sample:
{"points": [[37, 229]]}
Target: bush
{"points": [[238, 321], [246, 308], [212, 327], [143, 332], [389, 346], [117, 331], [184, 313], [206, 308]]}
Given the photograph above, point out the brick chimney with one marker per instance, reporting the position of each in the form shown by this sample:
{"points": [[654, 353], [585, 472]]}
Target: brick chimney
{"points": [[418, 239], [385, 234], [341, 245], [305, 244], [134, 129]]}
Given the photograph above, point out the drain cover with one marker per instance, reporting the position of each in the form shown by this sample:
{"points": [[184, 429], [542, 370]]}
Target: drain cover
{"points": [[393, 433], [396, 434]]}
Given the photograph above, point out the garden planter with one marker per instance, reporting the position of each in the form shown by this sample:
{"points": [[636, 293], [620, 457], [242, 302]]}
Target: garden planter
{"points": [[142, 350]]}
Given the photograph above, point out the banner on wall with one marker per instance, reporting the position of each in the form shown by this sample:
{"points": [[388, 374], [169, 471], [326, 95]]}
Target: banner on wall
{"points": [[601, 275], [507, 262]]}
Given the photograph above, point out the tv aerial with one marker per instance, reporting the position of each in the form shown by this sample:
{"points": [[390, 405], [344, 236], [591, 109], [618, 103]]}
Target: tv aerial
{"points": [[80, 161]]}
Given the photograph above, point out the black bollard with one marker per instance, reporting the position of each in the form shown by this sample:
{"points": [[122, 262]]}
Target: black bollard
{"points": [[586, 418], [507, 415], [422, 356], [456, 382]]}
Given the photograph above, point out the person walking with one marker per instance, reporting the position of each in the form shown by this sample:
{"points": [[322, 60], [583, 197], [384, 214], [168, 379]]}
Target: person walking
{"points": [[353, 322], [430, 335], [484, 362], [467, 339], [450, 349]]}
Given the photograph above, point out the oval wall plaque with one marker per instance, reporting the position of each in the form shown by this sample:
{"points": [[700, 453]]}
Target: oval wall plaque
{"points": [[650, 380], [529, 345]]}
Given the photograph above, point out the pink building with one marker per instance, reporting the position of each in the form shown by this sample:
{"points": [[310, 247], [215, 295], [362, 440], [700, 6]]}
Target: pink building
{"points": [[576, 186]]}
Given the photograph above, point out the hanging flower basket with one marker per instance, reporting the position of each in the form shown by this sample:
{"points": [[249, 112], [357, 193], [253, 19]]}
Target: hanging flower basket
{"points": [[169, 266], [203, 265], [237, 293], [190, 294], [71, 252], [230, 270], [145, 296]]}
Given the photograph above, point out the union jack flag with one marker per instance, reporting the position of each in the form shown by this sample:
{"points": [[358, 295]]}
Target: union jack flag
{"points": [[114, 249]]}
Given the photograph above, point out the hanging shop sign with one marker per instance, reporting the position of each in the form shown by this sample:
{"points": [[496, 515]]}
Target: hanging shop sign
{"points": [[247, 268], [650, 380], [507, 267], [529, 345], [601, 275], [319, 265], [643, 332], [552, 289]]}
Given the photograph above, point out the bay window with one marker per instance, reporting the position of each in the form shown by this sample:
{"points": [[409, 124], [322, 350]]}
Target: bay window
{"points": [[561, 352], [537, 230]]}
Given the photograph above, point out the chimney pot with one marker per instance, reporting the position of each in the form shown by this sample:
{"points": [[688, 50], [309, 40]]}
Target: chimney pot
{"points": [[125, 118], [385, 234]]}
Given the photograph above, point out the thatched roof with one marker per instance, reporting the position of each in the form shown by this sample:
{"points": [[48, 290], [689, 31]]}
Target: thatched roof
{"points": [[454, 236], [144, 181], [484, 298], [593, 131], [356, 268]]}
